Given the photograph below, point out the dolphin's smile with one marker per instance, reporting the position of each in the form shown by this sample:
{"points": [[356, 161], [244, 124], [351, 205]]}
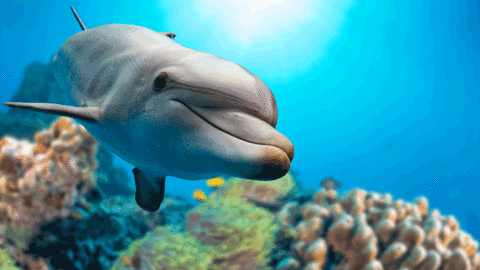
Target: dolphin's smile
{"points": [[242, 126]]}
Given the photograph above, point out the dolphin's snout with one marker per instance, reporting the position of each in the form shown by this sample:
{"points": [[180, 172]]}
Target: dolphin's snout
{"points": [[268, 106], [259, 162], [245, 127], [273, 164], [213, 82], [235, 101]]}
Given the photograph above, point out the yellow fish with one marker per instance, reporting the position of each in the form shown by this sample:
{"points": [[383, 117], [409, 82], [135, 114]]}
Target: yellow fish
{"points": [[199, 195], [215, 182]]}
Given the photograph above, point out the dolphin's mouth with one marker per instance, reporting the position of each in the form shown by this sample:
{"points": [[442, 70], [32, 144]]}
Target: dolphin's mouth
{"points": [[243, 126]]}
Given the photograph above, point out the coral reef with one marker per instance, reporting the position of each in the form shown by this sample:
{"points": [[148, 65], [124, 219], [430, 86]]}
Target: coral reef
{"points": [[238, 233], [268, 194], [50, 214], [54, 216], [41, 181], [164, 249], [222, 233], [105, 229], [367, 230]]}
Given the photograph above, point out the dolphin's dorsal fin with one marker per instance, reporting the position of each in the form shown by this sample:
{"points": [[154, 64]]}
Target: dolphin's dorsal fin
{"points": [[88, 114], [78, 19], [150, 190]]}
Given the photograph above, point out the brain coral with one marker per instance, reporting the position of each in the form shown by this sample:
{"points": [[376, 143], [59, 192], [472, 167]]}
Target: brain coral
{"points": [[367, 230]]}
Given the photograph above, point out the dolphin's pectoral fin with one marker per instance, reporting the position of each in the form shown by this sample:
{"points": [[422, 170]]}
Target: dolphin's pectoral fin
{"points": [[88, 114], [150, 190]]}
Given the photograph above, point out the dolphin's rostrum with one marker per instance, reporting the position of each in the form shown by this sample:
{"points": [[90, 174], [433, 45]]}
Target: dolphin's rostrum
{"points": [[167, 109]]}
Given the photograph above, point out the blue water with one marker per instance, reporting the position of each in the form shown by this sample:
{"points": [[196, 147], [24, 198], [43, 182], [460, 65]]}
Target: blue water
{"points": [[382, 95]]}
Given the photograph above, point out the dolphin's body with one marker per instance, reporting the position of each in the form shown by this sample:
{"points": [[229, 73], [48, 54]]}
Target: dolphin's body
{"points": [[167, 109]]}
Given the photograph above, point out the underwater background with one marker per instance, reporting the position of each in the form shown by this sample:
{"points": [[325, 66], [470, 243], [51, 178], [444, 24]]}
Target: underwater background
{"points": [[380, 95]]}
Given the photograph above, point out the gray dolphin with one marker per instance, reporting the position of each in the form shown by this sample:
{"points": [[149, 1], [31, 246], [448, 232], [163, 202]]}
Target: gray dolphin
{"points": [[167, 109]]}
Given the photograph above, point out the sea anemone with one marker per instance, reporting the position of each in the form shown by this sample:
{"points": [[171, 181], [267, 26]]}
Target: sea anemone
{"points": [[199, 195]]}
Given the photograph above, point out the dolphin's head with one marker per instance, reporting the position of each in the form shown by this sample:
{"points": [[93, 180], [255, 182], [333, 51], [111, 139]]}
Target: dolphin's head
{"points": [[221, 118]]}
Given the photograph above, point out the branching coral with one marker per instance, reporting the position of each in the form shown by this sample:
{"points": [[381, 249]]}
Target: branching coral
{"points": [[366, 230]]}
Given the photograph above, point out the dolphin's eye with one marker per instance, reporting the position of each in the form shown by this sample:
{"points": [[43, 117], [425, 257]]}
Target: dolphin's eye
{"points": [[169, 34], [160, 82]]}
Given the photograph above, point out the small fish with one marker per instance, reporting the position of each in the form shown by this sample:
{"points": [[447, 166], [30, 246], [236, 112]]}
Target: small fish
{"points": [[199, 195], [329, 183], [215, 182]]}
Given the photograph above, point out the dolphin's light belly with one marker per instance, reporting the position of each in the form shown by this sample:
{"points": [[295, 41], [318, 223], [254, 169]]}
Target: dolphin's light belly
{"points": [[113, 137]]}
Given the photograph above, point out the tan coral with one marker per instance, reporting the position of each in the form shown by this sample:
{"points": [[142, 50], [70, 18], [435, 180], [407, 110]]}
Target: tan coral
{"points": [[339, 233], [422, 204], [287, 214], [317, 252], [385, 230], [310, 209], [412, 236], [354, 201], [432, 261], [373, 265], [416, 256], [373, 231], [458, 260], [393, 253]]}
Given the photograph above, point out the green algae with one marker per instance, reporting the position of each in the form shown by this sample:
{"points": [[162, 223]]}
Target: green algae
{"points": [[225, 233], [6, 262], [162, 249], [234, 232]]}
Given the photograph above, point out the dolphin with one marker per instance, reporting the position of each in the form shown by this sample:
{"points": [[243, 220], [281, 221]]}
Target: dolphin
{"points": [[167, 109]]}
